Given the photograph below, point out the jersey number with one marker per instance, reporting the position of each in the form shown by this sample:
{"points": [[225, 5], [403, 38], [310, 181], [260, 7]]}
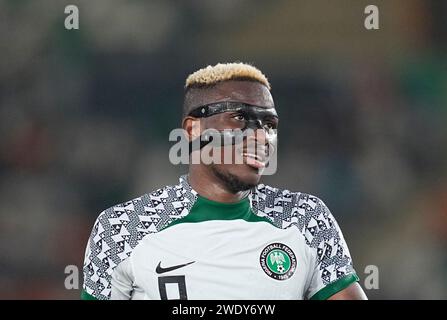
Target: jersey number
{"points": [[181, 284]]}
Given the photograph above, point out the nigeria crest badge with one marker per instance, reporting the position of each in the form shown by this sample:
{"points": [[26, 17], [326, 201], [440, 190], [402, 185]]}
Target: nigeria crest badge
{"points": [[278, 261]]}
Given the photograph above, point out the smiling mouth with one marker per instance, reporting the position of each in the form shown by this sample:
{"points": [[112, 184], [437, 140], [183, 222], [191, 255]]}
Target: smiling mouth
{"points": [[254, 155], [254, 160]]}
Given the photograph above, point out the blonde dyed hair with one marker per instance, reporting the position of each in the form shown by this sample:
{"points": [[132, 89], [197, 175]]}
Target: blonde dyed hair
{"points": [[212, 75]]}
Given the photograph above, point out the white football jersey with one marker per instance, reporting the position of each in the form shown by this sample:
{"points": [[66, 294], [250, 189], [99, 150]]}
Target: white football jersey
{"points": [[175, 244]]}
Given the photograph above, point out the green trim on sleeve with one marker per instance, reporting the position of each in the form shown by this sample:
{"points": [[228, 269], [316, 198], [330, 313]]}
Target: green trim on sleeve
{"points": [[86, 296], [335, 287]]}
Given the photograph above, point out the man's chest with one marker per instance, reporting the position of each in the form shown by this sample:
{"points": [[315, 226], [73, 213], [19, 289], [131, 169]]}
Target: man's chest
{"points": [[221, 260]]}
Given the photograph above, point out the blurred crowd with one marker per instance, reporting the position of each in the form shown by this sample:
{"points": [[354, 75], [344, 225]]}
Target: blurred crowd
{"points": [[85, 117]]}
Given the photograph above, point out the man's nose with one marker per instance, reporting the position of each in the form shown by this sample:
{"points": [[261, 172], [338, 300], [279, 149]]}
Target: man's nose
{"points": [[259, 136], [254, 124]]}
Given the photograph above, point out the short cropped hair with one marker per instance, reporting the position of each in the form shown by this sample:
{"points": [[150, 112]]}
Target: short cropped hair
{"points": [[211, 75]]}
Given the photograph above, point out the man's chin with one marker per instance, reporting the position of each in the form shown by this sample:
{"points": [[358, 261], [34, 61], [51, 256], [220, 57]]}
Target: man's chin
{"points": [[251, 174], [239, 177]]}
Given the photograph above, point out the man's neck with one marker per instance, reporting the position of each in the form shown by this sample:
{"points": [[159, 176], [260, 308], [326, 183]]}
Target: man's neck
{"points": [[210, 187]]}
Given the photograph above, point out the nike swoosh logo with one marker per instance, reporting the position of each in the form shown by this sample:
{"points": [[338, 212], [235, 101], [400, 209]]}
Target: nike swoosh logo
{"points": [[160, 269]]}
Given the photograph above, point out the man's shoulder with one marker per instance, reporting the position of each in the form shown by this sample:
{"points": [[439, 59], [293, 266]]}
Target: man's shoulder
{"points": [[286, 208], [140, 206], [150, 211], [274, 196], [308, 213], [121, 227]]}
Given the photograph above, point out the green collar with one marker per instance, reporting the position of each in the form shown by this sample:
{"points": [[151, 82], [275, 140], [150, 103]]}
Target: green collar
{"points": [[206, 210]]}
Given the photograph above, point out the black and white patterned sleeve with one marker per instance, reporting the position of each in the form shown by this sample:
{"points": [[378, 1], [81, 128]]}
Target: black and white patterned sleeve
{"points": [[96, 265], [115, 233], [332, 269]]}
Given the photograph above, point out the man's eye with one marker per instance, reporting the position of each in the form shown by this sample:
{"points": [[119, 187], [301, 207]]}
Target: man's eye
{"points": [[239, 117]]}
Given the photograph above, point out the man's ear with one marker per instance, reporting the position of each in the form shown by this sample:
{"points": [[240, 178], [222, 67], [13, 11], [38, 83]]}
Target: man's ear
{"points": [[192, 127]]}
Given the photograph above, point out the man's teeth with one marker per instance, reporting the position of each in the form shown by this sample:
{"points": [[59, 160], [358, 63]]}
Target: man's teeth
{"points": [[253, 156]]}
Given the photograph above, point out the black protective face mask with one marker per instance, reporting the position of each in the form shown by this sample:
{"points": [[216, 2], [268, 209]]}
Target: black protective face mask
{"points": [[255, 118]]}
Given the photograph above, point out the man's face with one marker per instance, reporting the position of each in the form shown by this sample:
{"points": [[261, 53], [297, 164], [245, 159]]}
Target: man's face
{"points": [[239, 177]]}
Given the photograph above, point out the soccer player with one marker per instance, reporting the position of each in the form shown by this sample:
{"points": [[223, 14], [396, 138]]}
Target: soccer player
{"points": [[219, 233]]}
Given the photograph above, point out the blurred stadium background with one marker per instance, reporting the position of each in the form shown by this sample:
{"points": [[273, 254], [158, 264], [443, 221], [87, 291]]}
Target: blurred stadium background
{"points": [[85, 117]]}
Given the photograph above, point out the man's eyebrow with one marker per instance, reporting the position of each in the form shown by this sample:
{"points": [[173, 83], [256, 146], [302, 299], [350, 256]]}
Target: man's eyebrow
{"points": [[270, 112]]}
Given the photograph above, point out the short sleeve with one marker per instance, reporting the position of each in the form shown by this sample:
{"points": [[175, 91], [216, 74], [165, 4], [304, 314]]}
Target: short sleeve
{"points": [[97, 269], [332, 268], [109, 244]]}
